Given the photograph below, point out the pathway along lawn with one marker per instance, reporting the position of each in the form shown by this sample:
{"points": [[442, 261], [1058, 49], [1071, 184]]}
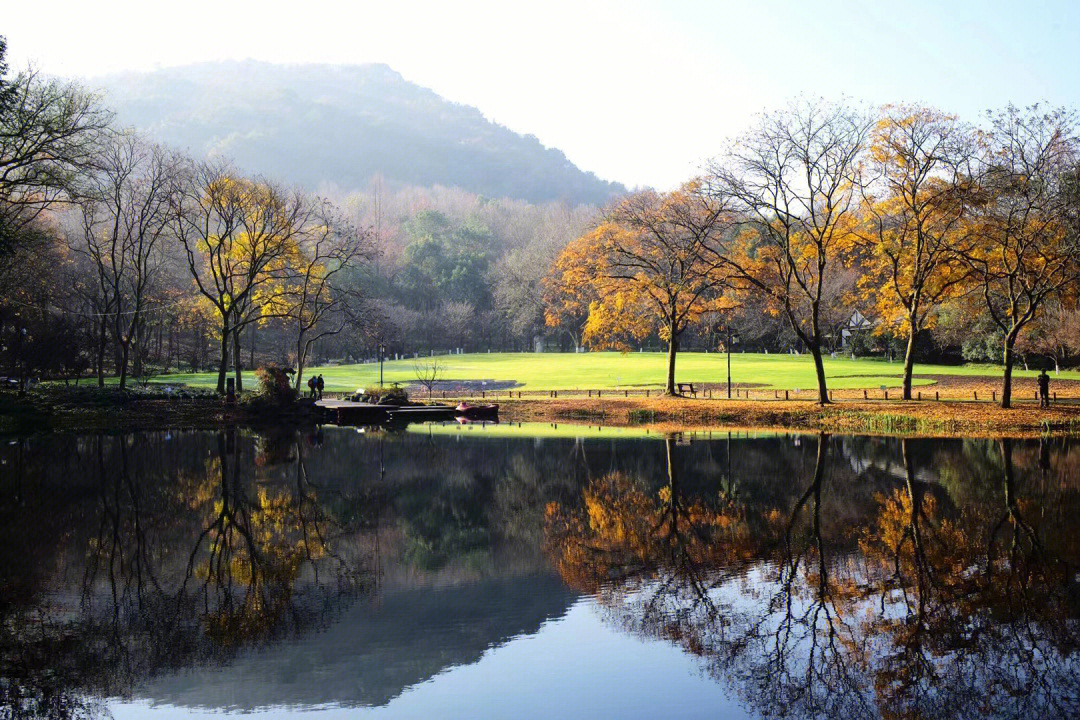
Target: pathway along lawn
{"points": [[612, 370]]}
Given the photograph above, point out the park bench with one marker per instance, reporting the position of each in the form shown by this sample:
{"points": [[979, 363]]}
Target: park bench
{"points": [[686, 388]]}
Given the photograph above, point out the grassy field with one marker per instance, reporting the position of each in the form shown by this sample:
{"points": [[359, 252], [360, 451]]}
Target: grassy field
{"points": [[612, 370]]}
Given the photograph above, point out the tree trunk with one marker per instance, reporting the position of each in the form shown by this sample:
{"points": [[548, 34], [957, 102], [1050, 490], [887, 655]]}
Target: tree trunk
{"points": [[673, 348], [101, 356], [909, 362], [123, 363], [1006, 382], [819, 368], [238, 361], [301, 358], [223, 366]]}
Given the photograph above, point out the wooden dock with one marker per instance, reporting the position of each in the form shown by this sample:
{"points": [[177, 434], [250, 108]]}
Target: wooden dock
{"points": [[346, 412]]}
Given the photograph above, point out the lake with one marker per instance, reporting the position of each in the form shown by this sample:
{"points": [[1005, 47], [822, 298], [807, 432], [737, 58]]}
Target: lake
{"points": [[543, 571]]}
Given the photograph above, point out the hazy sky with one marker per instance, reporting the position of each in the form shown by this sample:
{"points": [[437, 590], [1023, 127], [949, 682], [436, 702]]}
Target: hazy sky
{"points": [[639, 92]]}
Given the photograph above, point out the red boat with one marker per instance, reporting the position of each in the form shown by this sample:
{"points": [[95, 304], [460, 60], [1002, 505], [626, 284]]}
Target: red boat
{"points": [[473, 412]]}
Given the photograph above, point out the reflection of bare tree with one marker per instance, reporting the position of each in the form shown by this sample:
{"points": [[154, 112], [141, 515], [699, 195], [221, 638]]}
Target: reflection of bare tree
{"points": [[937, 611], [976, 625], [792, 655]]}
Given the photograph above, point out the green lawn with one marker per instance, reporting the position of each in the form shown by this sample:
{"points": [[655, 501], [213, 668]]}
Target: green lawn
{"points": [[612, 370]]}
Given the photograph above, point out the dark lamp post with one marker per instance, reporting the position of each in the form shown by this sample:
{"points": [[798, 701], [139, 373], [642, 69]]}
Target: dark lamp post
{"points": [[727, 346]]}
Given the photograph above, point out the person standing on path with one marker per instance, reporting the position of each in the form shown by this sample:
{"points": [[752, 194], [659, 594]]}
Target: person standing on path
{"points": [[319, 385], [1044, 389], [311, 387]]}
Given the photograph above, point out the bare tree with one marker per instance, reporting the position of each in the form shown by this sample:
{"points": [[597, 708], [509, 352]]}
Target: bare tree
{"points": [[316, 299], [794, 181], [1054, 334], [125, 216], [1021, 248], [428, 372], [457, 320], [48, 137]]}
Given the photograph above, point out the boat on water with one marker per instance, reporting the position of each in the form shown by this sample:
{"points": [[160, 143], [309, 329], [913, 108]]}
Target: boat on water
{"points": [[476, 412]]}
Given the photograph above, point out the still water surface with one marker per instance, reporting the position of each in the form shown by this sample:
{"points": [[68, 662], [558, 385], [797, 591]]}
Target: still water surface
{"points": [[537, 572]]}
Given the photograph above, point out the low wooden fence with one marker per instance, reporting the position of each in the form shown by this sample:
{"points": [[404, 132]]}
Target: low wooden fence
{"points": [[720, 392], [712, 393]]}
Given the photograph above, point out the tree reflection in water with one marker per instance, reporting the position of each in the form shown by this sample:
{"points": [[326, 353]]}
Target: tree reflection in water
{"points": [[927, 600], [187, 557]]}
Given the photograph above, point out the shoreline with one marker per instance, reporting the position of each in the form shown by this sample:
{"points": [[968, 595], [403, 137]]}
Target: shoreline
{"points": [[946, 418], [896, 418]]}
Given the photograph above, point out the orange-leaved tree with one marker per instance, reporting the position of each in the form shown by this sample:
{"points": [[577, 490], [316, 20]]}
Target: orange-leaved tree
{"points": [[912, 216], [651, 265], [567, 292]]}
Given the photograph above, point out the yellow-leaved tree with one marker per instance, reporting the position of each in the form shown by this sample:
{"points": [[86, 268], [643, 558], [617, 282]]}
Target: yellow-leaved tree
{"points": [[912, 220], [239, 236]]}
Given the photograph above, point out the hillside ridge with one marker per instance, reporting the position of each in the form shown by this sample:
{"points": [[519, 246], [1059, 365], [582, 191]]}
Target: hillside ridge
{"points": [[341, 125]]}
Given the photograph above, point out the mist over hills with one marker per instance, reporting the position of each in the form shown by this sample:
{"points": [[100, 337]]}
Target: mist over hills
{"points": [[320, 125]]}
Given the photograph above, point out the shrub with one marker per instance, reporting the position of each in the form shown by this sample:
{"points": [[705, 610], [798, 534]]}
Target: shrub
{"points": [[393, 395], [275, 384]]}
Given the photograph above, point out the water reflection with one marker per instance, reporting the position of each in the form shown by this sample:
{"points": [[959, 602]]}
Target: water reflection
{"points": [[846, 593], [128, 556], [809, 576]]}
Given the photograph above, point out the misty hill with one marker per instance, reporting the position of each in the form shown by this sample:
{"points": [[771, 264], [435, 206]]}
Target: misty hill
{"points": [[374, 652], [341, 125]]}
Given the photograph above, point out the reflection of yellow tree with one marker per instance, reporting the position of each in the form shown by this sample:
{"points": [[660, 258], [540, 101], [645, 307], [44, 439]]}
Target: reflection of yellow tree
{"points": [[624, 532], [255, 548], [661, 552]]}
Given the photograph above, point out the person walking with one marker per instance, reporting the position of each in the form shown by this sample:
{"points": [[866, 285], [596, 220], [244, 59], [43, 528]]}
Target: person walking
{"points": [[1044, 389], [311, 387], [319, 385]]}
